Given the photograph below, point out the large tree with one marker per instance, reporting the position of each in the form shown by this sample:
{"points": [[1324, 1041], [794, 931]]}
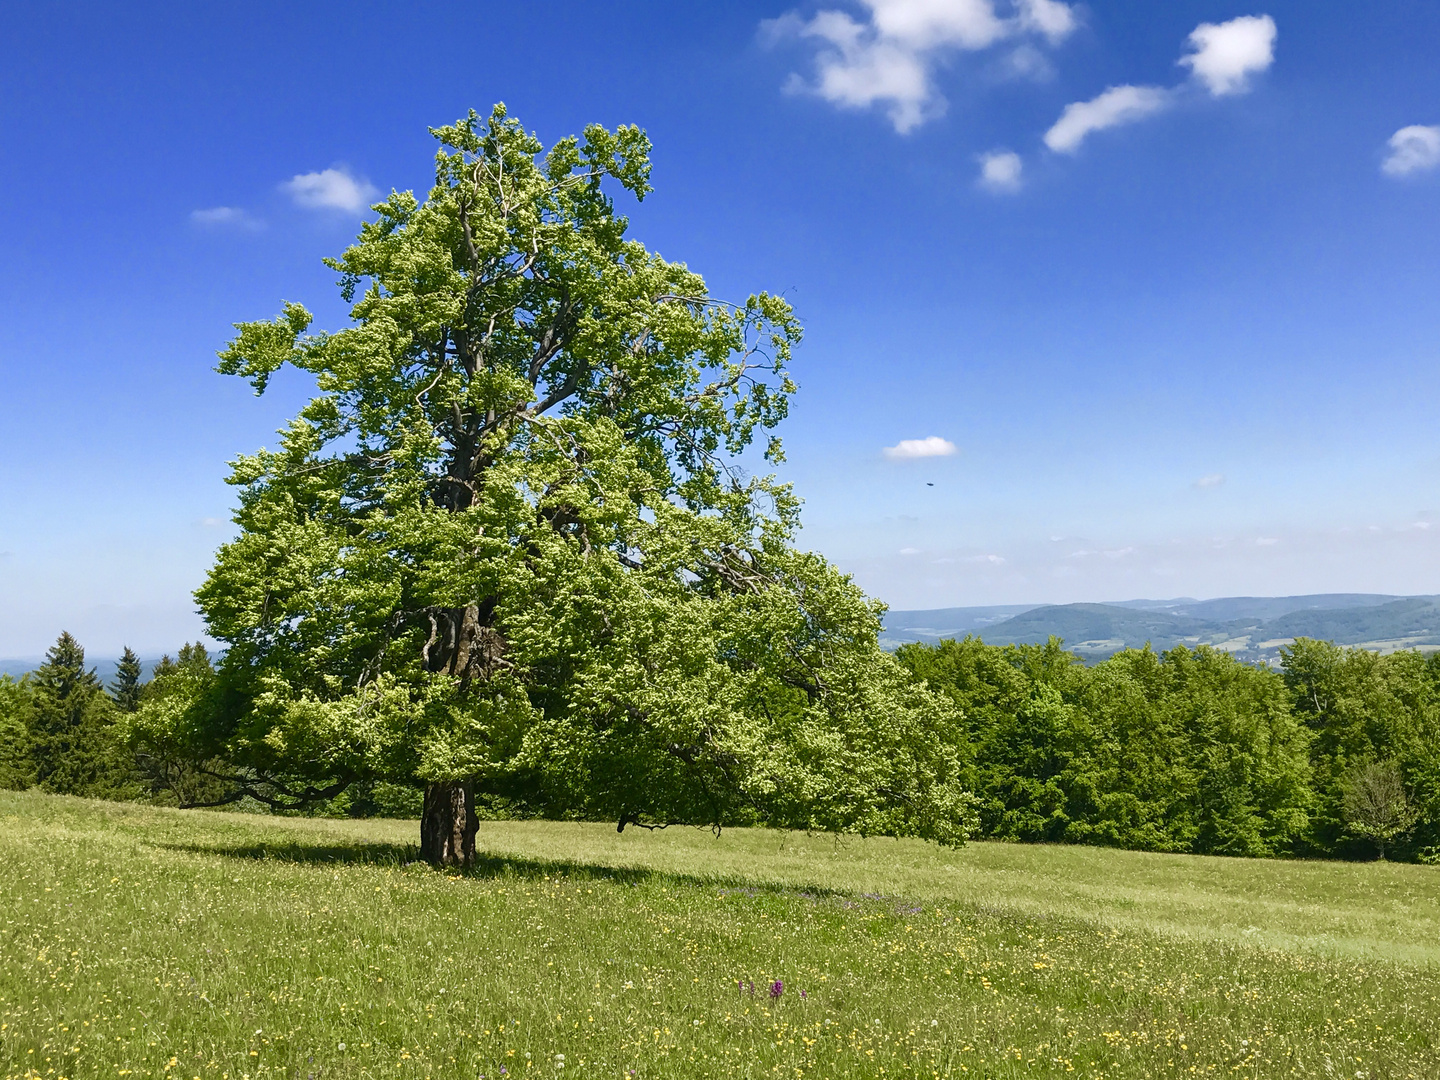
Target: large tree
{"points": [[510, 552]]}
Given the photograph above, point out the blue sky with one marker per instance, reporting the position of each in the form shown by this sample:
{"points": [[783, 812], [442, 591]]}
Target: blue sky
{"points": [[1183, 343]]}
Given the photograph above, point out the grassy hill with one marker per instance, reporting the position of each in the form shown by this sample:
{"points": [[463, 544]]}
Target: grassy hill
{"points": [[148, 942], [1253, 628]]}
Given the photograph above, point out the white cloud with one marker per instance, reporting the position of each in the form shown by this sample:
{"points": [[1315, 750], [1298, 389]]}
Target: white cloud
{"points": [[1117, 105], [1227, 54], [909, 551], [907, 449], [330, 189], [1000, 170], [1267, 541], [1211, 481], [887, 59], [1224, 57], [1056, 21], [231, 216], [1413, 149]]}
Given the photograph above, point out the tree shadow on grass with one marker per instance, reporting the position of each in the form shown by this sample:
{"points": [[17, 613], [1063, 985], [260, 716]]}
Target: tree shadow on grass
{"points": [[372, 854], [488, 866]]}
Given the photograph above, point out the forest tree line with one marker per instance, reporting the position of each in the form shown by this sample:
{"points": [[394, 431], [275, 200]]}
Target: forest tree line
{"points": [[64, 731], [1337, 754]]}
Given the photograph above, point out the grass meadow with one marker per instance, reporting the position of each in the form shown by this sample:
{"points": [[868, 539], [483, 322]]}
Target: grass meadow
{"points": [[143, 942]]}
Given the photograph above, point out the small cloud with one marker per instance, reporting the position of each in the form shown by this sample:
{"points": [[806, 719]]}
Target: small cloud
{"points": [[211, 522], [994, 560], [226, 216], [1027, 62], [933, 446], [1421, 525], [1116, 106], [330, 189], [1227, 54], [1000, 171], [1055, 20], [1119, 553], [909, 551], [1412, 149], [1267, 541], [1213, 480]]}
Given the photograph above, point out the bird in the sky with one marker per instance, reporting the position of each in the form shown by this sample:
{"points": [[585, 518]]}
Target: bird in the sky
{"points": [[929, 484]]}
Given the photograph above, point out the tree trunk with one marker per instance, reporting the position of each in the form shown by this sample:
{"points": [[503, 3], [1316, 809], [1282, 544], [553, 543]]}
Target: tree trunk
{"points": [[463, 643], [448, 824]]}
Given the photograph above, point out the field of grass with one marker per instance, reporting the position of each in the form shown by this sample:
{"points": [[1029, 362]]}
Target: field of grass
{"points": [[144, 942]]}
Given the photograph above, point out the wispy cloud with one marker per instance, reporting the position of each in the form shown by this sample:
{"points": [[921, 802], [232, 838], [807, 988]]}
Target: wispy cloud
{"points": [[1226, 54], [1213, 480], [1117, 105], [907, 449], [1223, 57], [226, 217], [888, 58], [1412, 149], [331, 189], [1000, 171]]}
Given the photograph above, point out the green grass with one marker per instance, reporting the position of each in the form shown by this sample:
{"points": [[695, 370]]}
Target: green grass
{"points": [[144, 942]]}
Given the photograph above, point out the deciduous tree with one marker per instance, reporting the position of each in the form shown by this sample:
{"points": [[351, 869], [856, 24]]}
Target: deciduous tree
{"points": [[509, 551]]}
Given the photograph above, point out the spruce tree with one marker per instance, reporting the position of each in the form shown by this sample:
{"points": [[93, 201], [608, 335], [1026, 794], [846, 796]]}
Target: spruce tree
{"points": [[125, 690], [74, 744], [66, 698]]}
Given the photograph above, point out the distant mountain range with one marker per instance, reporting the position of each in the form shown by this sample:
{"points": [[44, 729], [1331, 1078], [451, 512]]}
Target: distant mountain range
{"points": [[1253, 628]]}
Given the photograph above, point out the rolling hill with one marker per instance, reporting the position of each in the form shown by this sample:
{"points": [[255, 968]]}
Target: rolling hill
{"points": [[1253, 628]]}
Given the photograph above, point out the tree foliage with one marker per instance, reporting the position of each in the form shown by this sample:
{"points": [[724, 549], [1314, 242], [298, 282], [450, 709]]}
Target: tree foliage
{"points": [[17, 766], [509, 544], [1376, 805], [129, 674], [1366, 709], [1187, 751], [74, 745]]}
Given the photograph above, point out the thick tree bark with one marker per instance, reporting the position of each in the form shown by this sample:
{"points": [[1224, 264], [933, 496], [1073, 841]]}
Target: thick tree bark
{"points": [[463, 643], [448, 824]]}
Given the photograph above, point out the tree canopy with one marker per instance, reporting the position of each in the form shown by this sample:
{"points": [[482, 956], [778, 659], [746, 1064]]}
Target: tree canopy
{"points": [[511, 549]]}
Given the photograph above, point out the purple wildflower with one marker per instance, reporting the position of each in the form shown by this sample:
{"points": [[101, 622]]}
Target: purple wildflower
{"points": [[802, 995], [777, 988]]}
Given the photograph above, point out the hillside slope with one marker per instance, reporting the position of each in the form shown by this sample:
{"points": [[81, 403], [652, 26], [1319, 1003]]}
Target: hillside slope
{"points": [[141, 941], [1253, 628]]}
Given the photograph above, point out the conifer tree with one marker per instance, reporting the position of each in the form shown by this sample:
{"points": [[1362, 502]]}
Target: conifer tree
{"points": [[68, 704], [75, 745], [125, 691]]}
